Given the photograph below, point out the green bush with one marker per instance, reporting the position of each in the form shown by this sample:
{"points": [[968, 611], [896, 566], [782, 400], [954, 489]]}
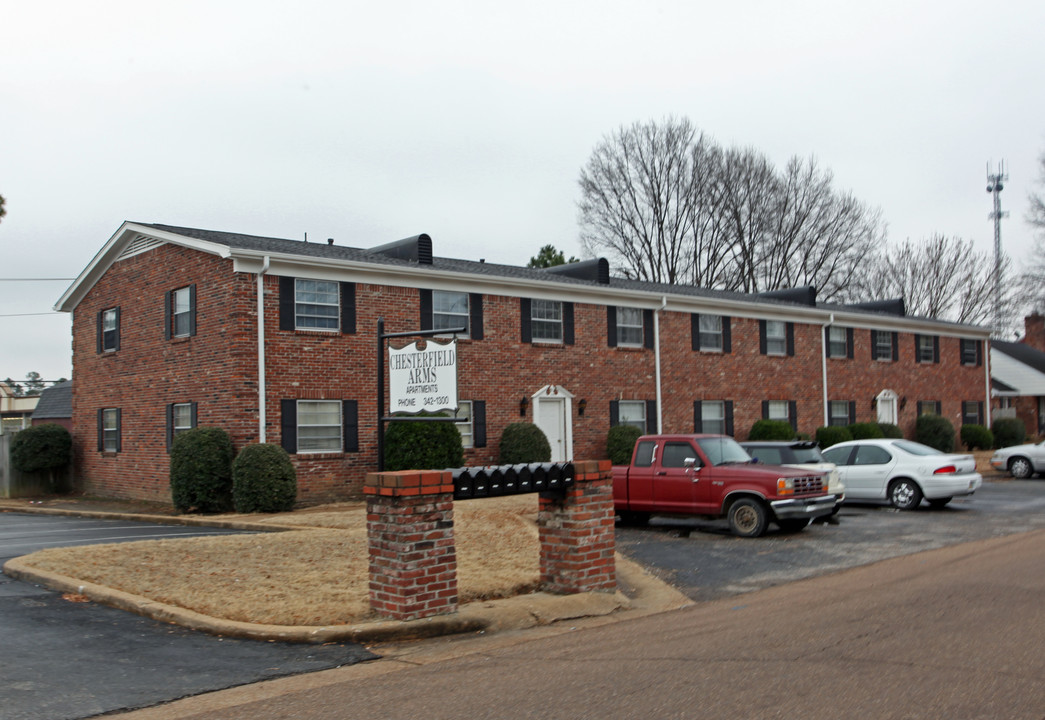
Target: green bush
{"points": [[263, 480], [41, 448], [620, 443], [524, 443], [422, 445], [865, 431], [201, 470], [977, 437], [891, 431], [935, 431], [1008, 432], [832, 435], [771, 430]]}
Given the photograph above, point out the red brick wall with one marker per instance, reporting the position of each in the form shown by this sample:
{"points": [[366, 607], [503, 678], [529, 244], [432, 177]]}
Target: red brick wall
{"points": [[218, 370]]}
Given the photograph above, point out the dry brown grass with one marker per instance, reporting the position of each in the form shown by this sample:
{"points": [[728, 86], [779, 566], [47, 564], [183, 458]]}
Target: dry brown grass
{"points": [[313, 576]]}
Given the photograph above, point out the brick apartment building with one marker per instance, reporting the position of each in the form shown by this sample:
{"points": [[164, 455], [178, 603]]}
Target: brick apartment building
{"points": [[167, 335]]}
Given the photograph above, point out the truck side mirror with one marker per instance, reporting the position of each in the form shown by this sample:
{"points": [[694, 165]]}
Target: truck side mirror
{"points": [[690, 462]]}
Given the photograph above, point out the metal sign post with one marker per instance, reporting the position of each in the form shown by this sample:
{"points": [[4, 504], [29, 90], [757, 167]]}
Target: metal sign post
{"points": [[382, 336]]}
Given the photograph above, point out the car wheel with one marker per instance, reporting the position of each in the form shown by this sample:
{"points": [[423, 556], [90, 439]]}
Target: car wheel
{"points": [[629, 517], [1020, 468], [905, 494], [747, 518], [793, 526], [937, 503]]}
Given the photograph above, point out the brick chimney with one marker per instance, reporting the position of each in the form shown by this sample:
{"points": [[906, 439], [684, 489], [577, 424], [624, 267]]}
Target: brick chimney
{"points": [[1034, 331]]}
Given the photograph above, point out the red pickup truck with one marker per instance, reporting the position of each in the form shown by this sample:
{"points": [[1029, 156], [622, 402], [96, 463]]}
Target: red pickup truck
{"points": [[711, 475]]}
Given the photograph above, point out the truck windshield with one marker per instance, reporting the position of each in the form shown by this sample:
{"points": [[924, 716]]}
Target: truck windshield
{"points": [[723, 451]]}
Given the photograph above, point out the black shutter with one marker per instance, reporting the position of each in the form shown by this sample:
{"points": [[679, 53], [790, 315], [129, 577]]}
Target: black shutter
{"points": [[478, 423], [289, 425], [792, 414], [765, 409], [192, 309], [350, 425], [874, 344], [938, 407], [896, 346], [852, 411], [567, 323], [762, 336], [729, 418], [936, 349], [426, 309], [979, 352], [727, 336], [117, 347], [790, 339], [167, 301], [525, 321], [475, 309], [192, 414], [611, 326], [979, 413], [698, 416], [647, 329], [99, 324], [348, 308], [119, 429], [286, 303], [917, 348], [651, 417], [694, 330], [170, 423], [849, 342], [614, 413], [101, 429]]}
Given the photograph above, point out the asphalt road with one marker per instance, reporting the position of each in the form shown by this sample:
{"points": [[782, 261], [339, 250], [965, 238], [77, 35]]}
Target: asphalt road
{"points": [[62, 659]]}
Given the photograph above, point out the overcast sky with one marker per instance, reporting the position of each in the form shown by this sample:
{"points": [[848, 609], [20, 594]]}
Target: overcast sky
{"points": [[369, 122]]}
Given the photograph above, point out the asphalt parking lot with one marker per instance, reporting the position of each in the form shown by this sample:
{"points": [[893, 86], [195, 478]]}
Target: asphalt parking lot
{"points": [[706, 562], [66, 659]]}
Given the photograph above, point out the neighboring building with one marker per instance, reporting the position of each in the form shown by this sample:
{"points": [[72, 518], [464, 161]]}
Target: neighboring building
{"points": [[1018, 376], [15, 411], [55, 406], [167, 335]]}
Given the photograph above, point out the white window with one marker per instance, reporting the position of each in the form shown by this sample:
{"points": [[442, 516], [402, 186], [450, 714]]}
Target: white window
{"points": [[838, 413], [629, 327], [711, 334], [926, 349], [449, 310], [319, 426], [713, 417], [837, 342], [969, 350], [181, 312], [181, 418], [110, 329], [316, 305], [546, 320], [464, 410], [111, 430], [777, 410], [776, 337], [883, 345], [632, 412]]}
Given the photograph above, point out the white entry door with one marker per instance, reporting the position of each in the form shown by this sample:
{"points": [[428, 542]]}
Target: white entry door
{"points": [[551, 419]]}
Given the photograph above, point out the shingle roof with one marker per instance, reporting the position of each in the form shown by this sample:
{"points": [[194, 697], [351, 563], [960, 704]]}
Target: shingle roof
{"points": [[55, 402]]}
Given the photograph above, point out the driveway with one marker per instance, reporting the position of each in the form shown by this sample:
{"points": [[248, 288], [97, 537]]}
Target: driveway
{"points": [[65, 659]]}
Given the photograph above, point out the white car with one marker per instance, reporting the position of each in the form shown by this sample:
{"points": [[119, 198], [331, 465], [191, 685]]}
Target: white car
{"points": [[1021, 461], [902, 472], [798, 454]]}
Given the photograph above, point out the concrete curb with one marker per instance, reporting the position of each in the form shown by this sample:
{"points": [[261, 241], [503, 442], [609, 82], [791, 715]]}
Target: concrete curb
{"points": [[647, 595]]}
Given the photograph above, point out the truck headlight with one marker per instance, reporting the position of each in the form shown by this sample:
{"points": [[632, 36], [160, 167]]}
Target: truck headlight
{"points": [[785, 486]]}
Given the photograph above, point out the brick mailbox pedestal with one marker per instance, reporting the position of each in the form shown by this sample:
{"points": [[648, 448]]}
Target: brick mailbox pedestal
{"points": [[410, 531]]}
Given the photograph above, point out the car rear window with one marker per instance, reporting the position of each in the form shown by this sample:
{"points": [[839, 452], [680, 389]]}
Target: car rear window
{"points": [[807, 455]]}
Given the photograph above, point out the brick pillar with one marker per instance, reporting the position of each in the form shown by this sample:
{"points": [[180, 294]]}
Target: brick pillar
{"points": [[576, 532], [410, 536]]}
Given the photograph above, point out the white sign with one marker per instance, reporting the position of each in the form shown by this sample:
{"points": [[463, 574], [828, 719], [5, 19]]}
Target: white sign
{"points": [[423, 380]]}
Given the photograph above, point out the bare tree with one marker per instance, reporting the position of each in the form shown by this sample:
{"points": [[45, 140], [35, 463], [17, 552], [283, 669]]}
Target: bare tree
{"points": [[1032, 281]]}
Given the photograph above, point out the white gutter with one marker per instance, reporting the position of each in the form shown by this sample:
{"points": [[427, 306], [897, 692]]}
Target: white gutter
{"points": [[823, 367], [656, 359], [261, 350], [987, 381]]}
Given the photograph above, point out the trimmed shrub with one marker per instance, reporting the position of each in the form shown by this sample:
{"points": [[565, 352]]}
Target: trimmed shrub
{"points": [[891, 431], [201, 470], [832, 435], [1008, 432], [524, 443], [771, 430], [620, 443], [935, 431], [865, 431], [422, 445], [977, 437], [263, 479], [41, 448]]}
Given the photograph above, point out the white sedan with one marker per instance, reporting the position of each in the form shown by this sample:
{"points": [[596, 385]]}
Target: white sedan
{"points": [[902, 472], [1021, 461]]}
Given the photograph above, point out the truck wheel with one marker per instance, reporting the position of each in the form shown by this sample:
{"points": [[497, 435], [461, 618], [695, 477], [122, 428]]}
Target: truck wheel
{"points": [[793, 526], [630, 517], [905, 494], [747, 518]]}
